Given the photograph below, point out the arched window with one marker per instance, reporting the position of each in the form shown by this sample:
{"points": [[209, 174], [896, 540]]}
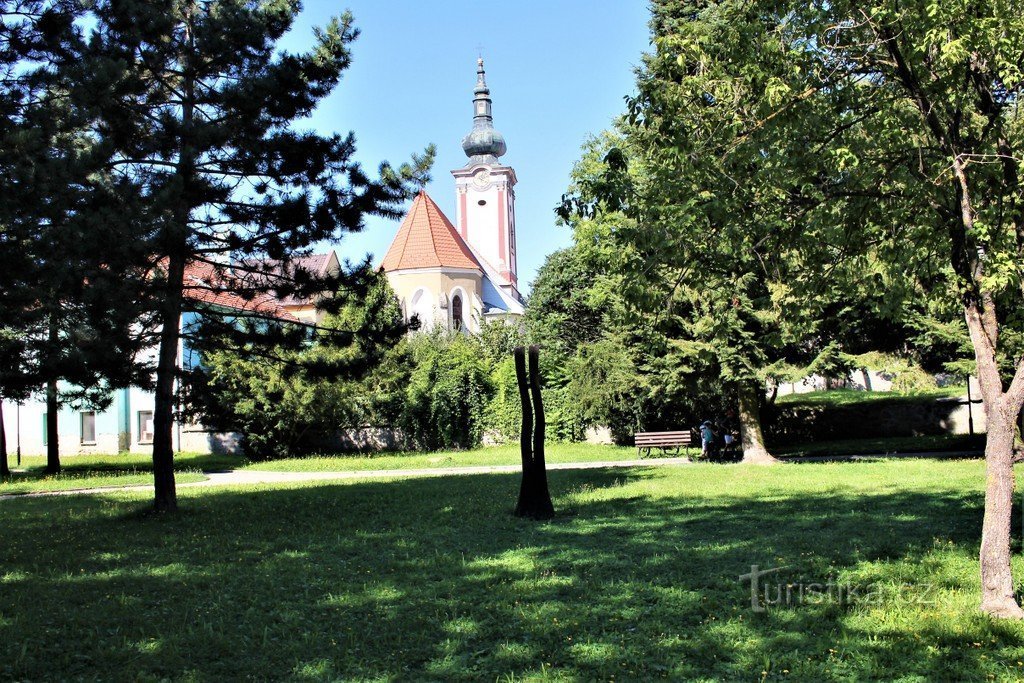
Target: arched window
{"points": [[422, 308], [457, 313]]}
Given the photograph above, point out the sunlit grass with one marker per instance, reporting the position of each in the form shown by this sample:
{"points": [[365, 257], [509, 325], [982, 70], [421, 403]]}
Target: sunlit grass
{"points": [[434, 579]]}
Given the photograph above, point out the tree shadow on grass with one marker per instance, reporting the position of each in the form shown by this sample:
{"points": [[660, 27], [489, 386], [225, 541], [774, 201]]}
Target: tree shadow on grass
{"points": [[434, 579]]}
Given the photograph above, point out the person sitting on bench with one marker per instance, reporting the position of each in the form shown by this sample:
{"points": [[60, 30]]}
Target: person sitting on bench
{"points": [[707, 439]]}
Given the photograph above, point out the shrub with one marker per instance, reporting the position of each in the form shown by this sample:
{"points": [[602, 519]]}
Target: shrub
{"points": [[449, 389]]}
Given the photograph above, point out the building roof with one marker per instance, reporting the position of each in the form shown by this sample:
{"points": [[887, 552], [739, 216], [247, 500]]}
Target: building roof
{"points": [[206, 284], [427, 239], [317, 265]]}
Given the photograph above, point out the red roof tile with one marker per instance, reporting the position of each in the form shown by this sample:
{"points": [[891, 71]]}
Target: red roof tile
{"points": [[205, 284], [427, 239]]}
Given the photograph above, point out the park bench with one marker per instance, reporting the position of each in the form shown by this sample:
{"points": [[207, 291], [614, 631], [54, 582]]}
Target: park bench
{"points": [[645, 441]]}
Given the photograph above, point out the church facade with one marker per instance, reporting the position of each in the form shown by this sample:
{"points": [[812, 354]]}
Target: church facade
{"points": [[457, 276]]}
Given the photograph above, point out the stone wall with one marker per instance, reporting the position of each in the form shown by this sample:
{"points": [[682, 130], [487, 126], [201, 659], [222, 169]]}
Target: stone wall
{"points": [[363, 439]]}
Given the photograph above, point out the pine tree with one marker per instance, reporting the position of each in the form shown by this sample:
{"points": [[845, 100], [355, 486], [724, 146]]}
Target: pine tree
{"points": [[200, 110], [73, 304]]}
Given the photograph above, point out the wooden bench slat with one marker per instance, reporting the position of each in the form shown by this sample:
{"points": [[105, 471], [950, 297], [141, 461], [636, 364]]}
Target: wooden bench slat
{"points": [[663, 440]]}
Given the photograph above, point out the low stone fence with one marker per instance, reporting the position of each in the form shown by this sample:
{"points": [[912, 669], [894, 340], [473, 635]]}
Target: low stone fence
{"points": [[364, 439]]}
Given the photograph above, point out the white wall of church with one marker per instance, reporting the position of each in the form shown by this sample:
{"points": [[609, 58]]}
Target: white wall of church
{"points": [[485, 213], [429, 294], [482, 229]]}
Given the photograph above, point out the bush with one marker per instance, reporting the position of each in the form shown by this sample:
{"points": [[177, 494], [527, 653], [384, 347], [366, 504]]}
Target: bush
{"points": [[449, 390]]}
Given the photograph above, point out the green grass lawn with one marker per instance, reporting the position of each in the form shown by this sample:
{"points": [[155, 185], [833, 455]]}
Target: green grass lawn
{"points": [[840, 397], [93, 471], [433, 579]]}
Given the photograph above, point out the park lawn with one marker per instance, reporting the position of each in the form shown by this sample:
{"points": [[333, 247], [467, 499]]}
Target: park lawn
{"points": [[508, 454], [432, 579], [95, 471]]}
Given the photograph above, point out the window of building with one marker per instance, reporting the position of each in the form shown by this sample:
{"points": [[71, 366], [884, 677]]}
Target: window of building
{"points": [[88, 418], [145, 426], [457, 312]]}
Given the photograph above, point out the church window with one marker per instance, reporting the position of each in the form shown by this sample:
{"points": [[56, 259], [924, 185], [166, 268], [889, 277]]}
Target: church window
{"points": [[457, 312]]}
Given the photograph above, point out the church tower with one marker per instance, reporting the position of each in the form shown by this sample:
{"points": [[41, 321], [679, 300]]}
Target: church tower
{"points": [[485, 198]]}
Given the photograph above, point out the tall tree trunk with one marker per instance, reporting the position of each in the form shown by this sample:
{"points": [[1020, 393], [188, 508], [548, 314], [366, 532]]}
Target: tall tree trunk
{"points": [[525, 431], [5, 469], [866, 374], [534, 496], [543, 507], [751, 436], [52, 437], [165, 493], [997, 594]]}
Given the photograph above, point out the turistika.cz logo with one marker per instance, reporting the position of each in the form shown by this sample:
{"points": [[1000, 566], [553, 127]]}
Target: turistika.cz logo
{"points": [[768, 591]]}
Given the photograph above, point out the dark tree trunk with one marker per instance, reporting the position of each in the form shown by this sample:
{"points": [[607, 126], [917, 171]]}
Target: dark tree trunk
{"points": [[526, 430], [52, 437], [5, 469], [165, 493], [544, 508], [751, 436], [534, 496]]}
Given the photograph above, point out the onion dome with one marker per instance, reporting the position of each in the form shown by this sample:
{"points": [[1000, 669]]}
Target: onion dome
{"points": [[483, 145]]}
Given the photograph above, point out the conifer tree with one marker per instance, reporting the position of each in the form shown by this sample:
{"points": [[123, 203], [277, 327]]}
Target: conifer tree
{"points": [[202, 114], [72, 289]]}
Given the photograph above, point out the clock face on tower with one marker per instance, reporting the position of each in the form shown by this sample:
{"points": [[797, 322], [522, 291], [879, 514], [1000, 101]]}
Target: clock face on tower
{"points": [[482, 178]]}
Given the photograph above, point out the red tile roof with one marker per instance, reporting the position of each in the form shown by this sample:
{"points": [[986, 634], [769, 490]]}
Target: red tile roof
{"points": [[206, 284], [427, 239]]}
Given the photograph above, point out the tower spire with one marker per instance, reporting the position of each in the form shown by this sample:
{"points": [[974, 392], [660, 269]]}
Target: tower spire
{"points": [[483, 145]]}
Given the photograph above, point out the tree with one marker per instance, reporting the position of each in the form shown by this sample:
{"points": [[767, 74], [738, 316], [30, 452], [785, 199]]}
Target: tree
{"points": [[564, 311], [70, 308], [286, 401], [938, 86], [198, 109], [888, 134], [705, 219]]}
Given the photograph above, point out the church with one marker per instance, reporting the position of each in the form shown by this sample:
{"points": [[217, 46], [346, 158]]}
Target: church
{"points": [[458, 276]]}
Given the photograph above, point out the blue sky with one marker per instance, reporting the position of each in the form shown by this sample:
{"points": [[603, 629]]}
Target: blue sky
{"points": [[558, 72]]}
